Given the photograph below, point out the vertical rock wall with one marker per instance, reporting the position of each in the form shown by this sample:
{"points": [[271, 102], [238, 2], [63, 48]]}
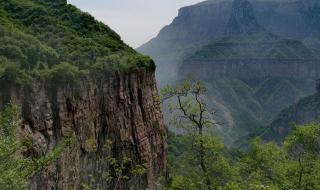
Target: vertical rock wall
{"points": [[119, 108]]}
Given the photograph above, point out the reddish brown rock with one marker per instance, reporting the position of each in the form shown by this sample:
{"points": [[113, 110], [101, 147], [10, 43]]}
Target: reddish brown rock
{"points": [[120, 107]]}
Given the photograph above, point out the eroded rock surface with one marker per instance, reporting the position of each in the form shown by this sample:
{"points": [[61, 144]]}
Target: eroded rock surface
{"points": [[121, 108]]}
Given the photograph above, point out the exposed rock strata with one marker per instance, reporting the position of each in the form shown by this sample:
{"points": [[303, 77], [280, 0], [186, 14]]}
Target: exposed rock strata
{"points": [[122, 108], [253, 68]]}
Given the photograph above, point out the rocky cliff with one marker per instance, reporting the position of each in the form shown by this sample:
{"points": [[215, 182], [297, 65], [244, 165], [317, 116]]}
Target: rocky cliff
{"points": [[250, 69], [118, 108], [75, 80], [197, 25]]}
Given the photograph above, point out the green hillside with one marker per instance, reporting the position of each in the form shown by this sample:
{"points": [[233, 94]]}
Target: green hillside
{"points": [[305, 111], [243, 108], [40, 37]]}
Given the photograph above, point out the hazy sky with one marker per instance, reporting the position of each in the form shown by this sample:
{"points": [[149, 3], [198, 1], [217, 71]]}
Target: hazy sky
{"points": [[136, 21]]}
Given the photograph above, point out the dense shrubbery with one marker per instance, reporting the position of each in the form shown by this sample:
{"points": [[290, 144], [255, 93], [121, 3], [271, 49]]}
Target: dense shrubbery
{"points": [[37, 36], [295, 165]]}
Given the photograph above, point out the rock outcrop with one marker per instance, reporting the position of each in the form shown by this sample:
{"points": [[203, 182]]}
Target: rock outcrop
{"points": [[121, 108], [242, 19]]}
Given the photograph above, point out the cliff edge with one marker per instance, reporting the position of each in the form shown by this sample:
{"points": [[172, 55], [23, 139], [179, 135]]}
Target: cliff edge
{"points": [[74, 78]]}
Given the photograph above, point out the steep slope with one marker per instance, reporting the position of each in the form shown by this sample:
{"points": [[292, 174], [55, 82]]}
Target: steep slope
{"points": [[74, 78], [303, 112]]}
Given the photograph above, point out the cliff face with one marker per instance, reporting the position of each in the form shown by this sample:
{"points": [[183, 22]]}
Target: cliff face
{"points": [[242, 19], [120, 108], [76, 80], [209, 19], [198, 25], [250, 69]]}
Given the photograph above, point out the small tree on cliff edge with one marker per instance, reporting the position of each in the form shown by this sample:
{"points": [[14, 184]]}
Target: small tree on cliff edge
{"points": [[190, 112]]}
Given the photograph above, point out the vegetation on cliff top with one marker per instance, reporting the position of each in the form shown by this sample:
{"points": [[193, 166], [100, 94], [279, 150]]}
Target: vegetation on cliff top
{"points": [[37, 36]]}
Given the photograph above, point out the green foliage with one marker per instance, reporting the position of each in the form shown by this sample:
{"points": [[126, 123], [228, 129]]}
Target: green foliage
{"points": [[15, 167], [11, 74], [303, 147], [37, 36], [12, 174], [263, 166], [122, 63], [119, 170], [208, 168], [64, 72]]}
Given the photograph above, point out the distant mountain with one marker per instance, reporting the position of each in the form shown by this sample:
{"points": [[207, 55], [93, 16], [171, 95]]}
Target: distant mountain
{"points": [[303, 112], [256, 57], [197, 25]]}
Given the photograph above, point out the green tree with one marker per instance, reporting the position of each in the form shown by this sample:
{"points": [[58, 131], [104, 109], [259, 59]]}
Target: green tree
{"points": [[200, 161], [120, 171], [209, 168], [264, 166], [13, 172], [14, 166], [303, 147]]}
